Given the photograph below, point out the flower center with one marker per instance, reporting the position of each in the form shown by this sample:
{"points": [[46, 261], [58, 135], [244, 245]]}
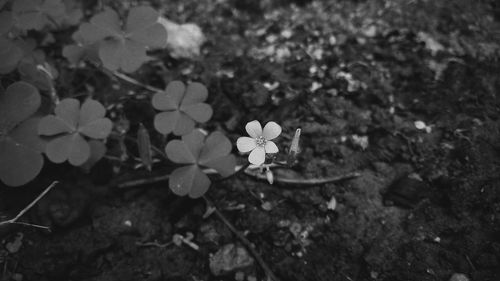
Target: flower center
{"points": [[261, 141]]}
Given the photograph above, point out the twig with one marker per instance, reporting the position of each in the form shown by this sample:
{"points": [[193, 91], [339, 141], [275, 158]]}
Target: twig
{"points": [[143, 181], [153, 244], [27, 208], [244, 240], [135, 82], [152, 180], [303, 182]]}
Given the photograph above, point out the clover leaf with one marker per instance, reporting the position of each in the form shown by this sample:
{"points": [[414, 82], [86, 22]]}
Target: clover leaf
{"points": [[82, 50], [124, 47], [181, 107], [10, 55], [198, 152], [37, 14], [69, 127], [31, 64], [20, 147], [6, 22]]}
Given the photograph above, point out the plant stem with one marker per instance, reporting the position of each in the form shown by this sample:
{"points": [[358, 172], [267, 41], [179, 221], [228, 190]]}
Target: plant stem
{"points": [[244, 240], [303, 182], [27, 208], [135, 82]]}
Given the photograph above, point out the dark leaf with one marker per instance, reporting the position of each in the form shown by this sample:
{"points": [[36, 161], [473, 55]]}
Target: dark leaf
{"points": [[200, 112], [223, 165], [195, 93], [10, 55], [142, 26], [178, 152], [194, 142], [20, 101], [189, 180], [216, 145], [183, 106], [97, 129], [51, 125], [68, 110], [124, 49], [20, 154], [6, 22], [125, 55], [91, 111], [37, 14], [171, 98], [97, 152], [18, 164], [70, 147], [26, 134]]}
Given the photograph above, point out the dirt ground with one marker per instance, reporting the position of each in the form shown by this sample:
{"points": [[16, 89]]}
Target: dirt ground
{"points": [[403, 92]]}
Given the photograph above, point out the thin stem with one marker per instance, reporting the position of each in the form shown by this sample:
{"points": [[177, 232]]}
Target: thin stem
{"points": [[303, 182], [135, 82], [244, 240], [27, 208]]}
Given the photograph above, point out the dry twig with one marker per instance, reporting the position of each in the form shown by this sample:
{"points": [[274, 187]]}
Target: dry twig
{"points": [[135, 82], [302, 182], [27, 208], [244, 240]]}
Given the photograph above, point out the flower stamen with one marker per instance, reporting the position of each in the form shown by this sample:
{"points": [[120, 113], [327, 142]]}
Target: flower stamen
{"points": [[261, 141]]}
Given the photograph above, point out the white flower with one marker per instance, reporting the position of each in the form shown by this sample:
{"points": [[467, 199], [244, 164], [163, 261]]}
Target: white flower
{"points": [[259, 142]]}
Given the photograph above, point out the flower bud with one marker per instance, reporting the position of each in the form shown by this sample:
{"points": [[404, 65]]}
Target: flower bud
{"points": [[269, 175], [144, 145], [294, 148]]}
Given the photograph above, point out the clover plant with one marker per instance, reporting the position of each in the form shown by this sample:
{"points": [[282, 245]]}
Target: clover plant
{"points": [[197, 151], [20, 147], [123, 47], [76, 132], [70, 128], [37, 14], [10, 55], [181, 107]]}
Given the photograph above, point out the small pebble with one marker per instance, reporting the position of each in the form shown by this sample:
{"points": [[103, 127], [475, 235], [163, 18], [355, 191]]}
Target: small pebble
{"points": [[459, 277]]}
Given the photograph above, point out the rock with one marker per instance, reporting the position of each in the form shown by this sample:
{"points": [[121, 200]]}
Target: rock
{"points": [[230, 258], [183, 40], [459, 277]]}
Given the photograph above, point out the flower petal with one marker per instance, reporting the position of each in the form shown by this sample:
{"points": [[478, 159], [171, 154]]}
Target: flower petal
{"points": [[271, 147], [271, 131], [254, 129], [257, 156], [246, 144]]}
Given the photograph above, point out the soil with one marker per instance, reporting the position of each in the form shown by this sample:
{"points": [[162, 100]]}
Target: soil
{"points": [[403, 92]]}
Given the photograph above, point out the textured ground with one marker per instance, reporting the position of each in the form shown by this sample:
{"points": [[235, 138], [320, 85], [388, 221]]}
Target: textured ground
{"points": [[355, 76]]}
